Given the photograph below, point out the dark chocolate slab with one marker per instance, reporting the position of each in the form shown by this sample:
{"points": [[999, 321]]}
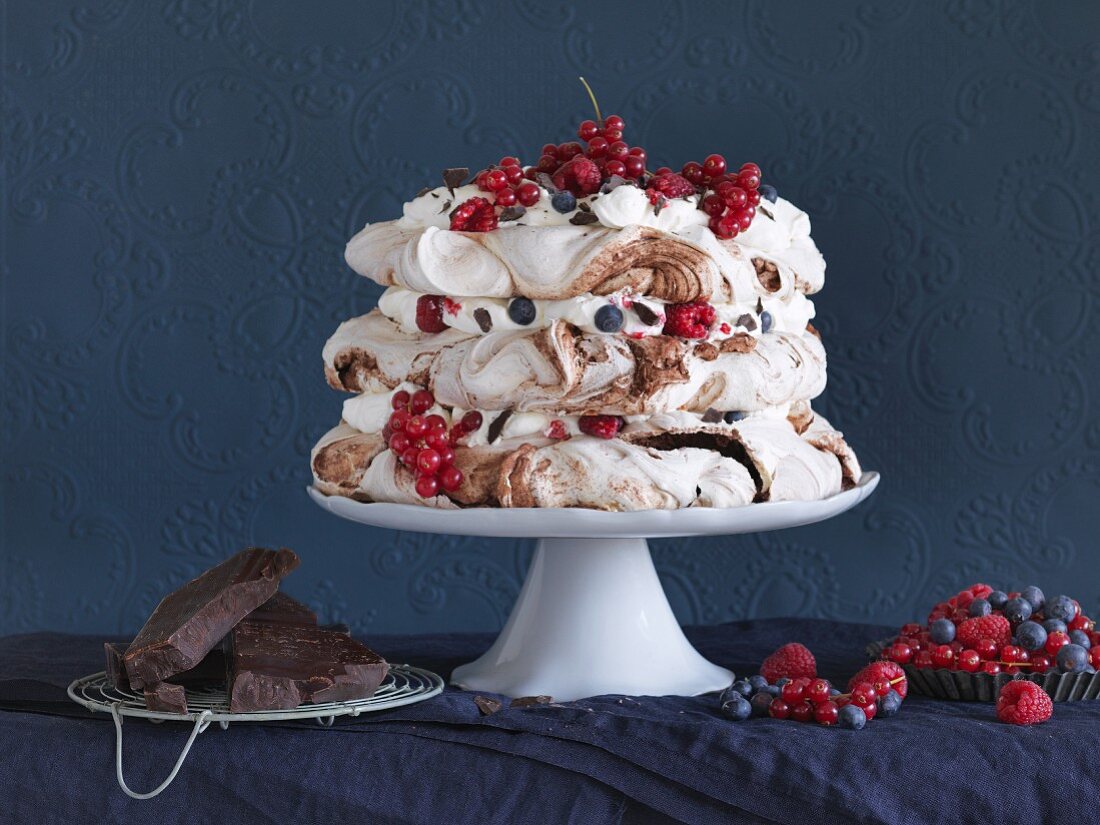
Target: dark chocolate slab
{"points": [[275, 666], [188, 623], [283, 609], [166, 697]]}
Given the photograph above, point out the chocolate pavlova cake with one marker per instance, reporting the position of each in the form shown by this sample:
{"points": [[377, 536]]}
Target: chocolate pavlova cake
{"points": [[586, 332]]}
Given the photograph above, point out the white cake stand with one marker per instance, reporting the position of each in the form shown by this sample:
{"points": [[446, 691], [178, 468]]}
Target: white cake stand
{"points": [[592, 617]]}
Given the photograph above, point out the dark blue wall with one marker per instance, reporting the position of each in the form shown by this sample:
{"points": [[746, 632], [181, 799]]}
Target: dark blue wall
{"points": [[180, 178]]}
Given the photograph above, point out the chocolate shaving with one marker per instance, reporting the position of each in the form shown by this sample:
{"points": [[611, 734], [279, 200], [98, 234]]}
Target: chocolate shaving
{"points": [[584, 207], [512, 213], [446, 205], [712, 416], [455, 177], [747, 321], [759, 305], [646, 315], [498, 425], [424, 191], [583, 219], [530, 701], [547, 183], [487, 705], [614, 182], [659, 205], [761, 208], [484, 320]]}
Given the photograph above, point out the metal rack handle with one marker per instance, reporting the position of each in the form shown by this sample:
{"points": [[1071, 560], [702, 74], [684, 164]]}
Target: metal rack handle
{"points": [[201, 724]]}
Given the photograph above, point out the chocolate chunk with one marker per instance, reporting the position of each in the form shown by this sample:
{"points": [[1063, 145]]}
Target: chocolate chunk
{"points": [[530, 701], [712, 416], [455, 177], [584, 207], [646, 315], [487, 705], [583, 219], [512, 213], [115, 669], [166, 697], [546, 182], [423, 191], [746, 321], [276, 666], [446, 205], [188, 623], [283, 609], [497, 426], [484, 320]]}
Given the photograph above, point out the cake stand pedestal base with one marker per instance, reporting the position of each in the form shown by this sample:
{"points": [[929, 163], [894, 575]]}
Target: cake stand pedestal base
{"points": [[591, 619]]}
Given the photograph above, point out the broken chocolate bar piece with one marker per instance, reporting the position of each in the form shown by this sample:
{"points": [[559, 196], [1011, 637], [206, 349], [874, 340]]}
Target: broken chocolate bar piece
{"points": [[530, 701], [487, 705], [275, 666], [188, 623], [283, 609], [115, 669], [166, 697]]}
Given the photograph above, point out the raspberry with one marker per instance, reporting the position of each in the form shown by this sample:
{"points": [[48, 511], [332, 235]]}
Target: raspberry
{"points": [[1023, 703], [557, 430], [429, 313], [669, 186], [474, 215], [600, 426], [791, 660], [579, 175], [882, 671], [972, 631], [692, 320]]}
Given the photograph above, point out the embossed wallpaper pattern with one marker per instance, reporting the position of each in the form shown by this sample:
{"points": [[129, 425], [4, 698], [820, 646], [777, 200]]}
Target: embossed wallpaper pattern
{"points": [[180, 178]]}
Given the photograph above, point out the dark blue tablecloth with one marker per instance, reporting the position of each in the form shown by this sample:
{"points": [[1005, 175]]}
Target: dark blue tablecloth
{"points": [[606, 759]]}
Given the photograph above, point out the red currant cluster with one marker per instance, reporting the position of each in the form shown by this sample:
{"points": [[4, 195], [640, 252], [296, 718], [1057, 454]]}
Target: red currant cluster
{"points": [[422, 442], [507, 183], [806, 700], [732, 199], [605, 154], [980, 629]]}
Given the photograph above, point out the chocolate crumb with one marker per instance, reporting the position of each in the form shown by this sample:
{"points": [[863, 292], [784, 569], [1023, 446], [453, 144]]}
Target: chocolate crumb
{"points": [[484, 320], [584, 207], [455, 177], [747, 321], [765, 211], [498, 425], [487, 705], [530, 701], [547, 183], [712, 416], [512, 213], [583, 219], [425, 191]]}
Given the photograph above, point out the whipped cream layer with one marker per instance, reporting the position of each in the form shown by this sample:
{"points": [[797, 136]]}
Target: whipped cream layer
{"points": [[478, 316], [670, 255]]}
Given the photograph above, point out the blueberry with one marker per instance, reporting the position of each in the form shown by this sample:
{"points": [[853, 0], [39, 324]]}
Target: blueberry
{"points": [[980, 607], [522, 311], [852, 716], [733, 416], [1035, 596], [741, 687], [609, 318], [767, 192], [1017, 610], [889, 704], [1031, 635], [782, 680], [1080, 637], [1061, 607], [758, 682], [1055, 626], [773, 690], [834, 691], [564, 202], [737, 708], [997, 599], [760, 703], [765, 321], [1072, 658], [942, 631]]}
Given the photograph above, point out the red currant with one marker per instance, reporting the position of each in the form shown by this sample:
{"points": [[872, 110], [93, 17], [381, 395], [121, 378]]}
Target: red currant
{"points": [[1041, 664], [548, 164], [1055, 641], [422, 401], [436, 423], [693, 172], [792, 691], [416, 426], [802, 711], [870, 710], [826, 713], [408, 458], [969, 661], [399, 400], [818, 691], [613, 122], [437, 440], [634, 165], [751, 168], [506, 197], [747, 180], [987, 648], [427, 486], [923, 659], [446, 455], [450, 478], [618, 151], [597, 147], [569, 150], [714, 165], [992, 668], [615, 167], [495, 180], [508, 160], [899, 652], [398, 419], [612, 135], [399, 442], [587, 130], [427, 461], [514, 174], [471, 421], [778, 709], [714, 205], [863, 694], [943, 656], [528, 193], [1080, 622]]}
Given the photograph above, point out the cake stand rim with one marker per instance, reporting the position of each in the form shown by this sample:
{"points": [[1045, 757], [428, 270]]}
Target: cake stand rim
{"points": [[503, 522]]}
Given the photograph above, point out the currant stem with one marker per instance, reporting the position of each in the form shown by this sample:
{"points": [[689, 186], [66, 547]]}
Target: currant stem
{"points": [[592, 97]]}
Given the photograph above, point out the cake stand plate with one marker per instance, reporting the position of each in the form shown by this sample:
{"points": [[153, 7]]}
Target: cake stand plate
{"points": [[592, 617]]}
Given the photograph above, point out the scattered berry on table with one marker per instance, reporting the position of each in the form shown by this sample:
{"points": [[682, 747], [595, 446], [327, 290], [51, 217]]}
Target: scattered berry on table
{"points": [[882, 671], [826, 713], [791, 660], [1023, 703], [522, 311], [758, 682], [852, 717], [761, 703], [778, 709], [737, 708], [609, 318]]}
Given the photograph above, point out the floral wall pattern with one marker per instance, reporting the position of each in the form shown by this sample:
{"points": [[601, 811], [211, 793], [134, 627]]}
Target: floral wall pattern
{"points": [[179, 179]]}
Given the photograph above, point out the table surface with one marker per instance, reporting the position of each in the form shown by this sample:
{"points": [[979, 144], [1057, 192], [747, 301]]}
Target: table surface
{"points": [[605, 759]]}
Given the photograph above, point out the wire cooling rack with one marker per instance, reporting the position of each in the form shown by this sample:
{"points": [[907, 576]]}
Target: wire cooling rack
{"points": [[404, 685]]}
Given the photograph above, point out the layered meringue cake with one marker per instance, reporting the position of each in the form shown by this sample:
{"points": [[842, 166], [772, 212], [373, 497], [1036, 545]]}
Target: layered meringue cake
{"points": [[586, 332]]}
